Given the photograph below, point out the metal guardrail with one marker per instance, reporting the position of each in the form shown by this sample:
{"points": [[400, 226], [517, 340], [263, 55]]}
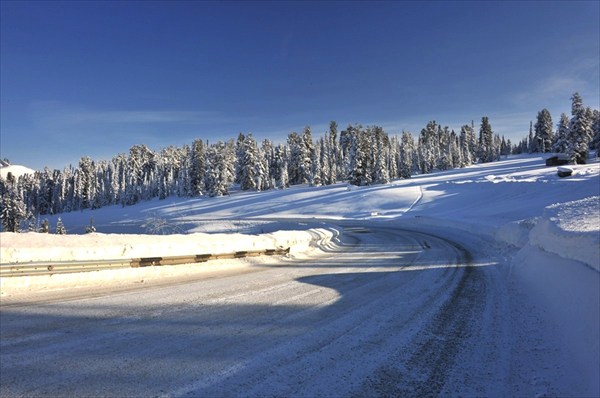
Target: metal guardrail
{"points": [[65, 267]]}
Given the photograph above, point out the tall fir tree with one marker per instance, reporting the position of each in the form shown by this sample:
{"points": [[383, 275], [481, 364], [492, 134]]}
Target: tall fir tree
{"points": [[486, 152], [580, 131], [560, 143], [544, 136], [197, 168]]}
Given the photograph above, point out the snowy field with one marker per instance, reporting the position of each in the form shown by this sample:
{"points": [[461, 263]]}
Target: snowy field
{"points": [[546, 229]]}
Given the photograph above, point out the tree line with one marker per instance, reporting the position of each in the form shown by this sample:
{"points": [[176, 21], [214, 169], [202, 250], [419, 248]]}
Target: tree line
{"points": [[359, 155], [574, 136]]}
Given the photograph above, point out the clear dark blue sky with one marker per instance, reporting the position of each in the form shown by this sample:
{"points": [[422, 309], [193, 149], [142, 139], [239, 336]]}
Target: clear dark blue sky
{"points": [[94, 78]]}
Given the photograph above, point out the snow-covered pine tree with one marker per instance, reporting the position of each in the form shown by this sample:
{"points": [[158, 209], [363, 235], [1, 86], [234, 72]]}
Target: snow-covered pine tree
{"points": [[531, 139], [45, 227], [381, 155], [86, 181], [444, 157], [218, 176], [60, 227], [561, 137], [486, 152], [32, 224], [543, 132], [268, 153], [12, 207], [595, 144], [326, 153], [90, 228], [455, 151], [283, 180], [497, 147], [182, 168], [334, 155], [316, 170], [394, 158], [249, 165], [294, 142], [359, 156], [427, 146], [346, 138], [580, 131], [407, 148], [197, 168], [239, 155], [467, 138], [307, 155]]}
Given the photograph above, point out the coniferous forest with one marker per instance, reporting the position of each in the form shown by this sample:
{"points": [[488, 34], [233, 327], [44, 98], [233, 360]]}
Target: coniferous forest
{"points": [[358, 155]]}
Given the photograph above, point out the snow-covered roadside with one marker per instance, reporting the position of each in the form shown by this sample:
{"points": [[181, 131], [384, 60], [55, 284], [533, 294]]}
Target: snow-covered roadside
{"points": [[552, 271], [19, 248], [556, 270]]}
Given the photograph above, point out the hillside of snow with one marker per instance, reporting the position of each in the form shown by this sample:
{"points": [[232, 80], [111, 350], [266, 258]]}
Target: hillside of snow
{"points": [[14, 169]]}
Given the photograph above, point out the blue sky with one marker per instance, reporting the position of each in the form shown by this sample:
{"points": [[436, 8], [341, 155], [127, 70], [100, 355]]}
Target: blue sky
{"points": [[94, 78]]}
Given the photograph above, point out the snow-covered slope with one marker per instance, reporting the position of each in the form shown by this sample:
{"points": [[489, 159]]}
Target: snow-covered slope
{"points": [[15, 170]]}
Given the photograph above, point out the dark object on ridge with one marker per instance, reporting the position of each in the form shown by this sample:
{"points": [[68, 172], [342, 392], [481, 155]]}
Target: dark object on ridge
{"points": [[557, 160]]}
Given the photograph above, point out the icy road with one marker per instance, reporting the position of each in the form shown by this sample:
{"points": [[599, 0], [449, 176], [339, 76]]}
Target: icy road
{"points": [[385, 312]]}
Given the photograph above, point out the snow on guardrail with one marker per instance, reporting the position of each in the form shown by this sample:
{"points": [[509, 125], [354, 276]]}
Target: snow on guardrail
{"points": [[21, 249]]}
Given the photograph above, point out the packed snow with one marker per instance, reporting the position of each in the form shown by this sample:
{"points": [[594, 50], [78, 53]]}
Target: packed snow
{"points": [[548, 228]]}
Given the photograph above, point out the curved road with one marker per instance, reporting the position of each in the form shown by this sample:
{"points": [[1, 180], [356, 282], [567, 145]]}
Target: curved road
{"points": [[385, 312]]}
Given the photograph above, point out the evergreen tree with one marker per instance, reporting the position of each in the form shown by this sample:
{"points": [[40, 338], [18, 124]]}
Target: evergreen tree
{"points": [[282, 179], [334, 155], [239, 155], [218, 176], [295, 159], [486, 152], [467, 144], [360, 172], [427, 147], [444, 157], [561, 137], [595, 144], [32, 227], [580, 131], [381, 155], [325, 154], [252, 172], [90, 228], [544, 136], [60, 228], [307, 156], [197, 168], [45, 227], [12, 208], [531, 139], [407, 148], [317, 169]]}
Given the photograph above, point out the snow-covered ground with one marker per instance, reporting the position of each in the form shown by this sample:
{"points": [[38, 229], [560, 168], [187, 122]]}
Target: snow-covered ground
{"points": [[546, 227]]}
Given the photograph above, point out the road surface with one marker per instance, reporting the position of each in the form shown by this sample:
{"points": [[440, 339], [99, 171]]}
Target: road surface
{"points": [[386, 312]]}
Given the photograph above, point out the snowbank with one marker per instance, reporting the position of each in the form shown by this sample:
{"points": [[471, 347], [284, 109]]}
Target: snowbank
{"points": [[570, 230], [20, 248]]}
